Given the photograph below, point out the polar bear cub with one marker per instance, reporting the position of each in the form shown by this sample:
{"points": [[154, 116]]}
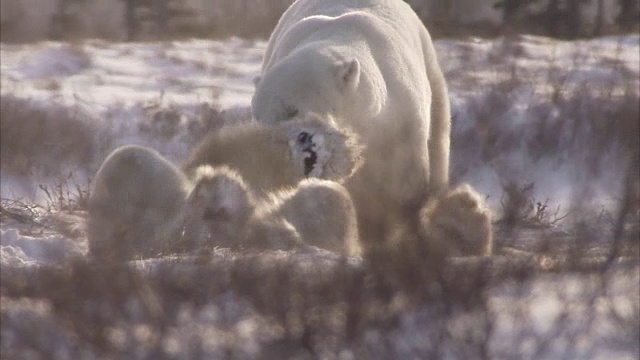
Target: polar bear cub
{"points": [[136, 203], [458, 223], [273, 157], [372, 65], [220, 205], [316, 212], [321, 211]]}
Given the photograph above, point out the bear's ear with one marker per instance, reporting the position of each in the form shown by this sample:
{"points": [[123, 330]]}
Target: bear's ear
{"points": [[347, 73]]}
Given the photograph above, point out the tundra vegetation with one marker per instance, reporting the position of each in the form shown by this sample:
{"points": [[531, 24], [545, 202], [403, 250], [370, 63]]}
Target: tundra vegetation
{"points": [[546, 128]]}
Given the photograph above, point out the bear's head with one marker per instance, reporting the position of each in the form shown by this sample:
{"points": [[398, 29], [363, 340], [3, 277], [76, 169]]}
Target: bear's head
{"points": [[218, 207], [320, 147], [309, 80]]}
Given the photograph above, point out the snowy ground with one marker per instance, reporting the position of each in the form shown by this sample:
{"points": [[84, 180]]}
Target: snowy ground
{"points": [[562, 116]]}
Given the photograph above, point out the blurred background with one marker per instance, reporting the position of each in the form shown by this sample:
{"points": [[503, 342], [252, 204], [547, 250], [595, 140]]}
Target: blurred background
{"points": [[29, 20]]}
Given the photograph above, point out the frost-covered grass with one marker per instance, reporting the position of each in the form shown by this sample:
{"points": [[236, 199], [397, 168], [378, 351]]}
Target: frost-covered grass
{"points": [[547, 129]]}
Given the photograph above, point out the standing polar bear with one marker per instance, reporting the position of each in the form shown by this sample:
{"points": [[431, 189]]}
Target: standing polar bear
{"points": [[372, 65]]}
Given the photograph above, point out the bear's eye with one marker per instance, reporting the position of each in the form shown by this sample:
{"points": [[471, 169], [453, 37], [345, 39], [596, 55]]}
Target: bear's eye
{"points": [[305, 140], [303, 137], [290, 112]]}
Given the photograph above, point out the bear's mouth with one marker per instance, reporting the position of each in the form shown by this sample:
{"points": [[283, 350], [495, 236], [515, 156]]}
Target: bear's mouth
{"points": [[310, 161], [305, 141]]}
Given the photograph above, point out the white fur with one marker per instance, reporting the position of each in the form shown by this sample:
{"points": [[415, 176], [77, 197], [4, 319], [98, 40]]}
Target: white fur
{"points": [[273, 157], [141, 204], [370, 64], [458, 223], [217, 209], [316, 212], [136, 204]]}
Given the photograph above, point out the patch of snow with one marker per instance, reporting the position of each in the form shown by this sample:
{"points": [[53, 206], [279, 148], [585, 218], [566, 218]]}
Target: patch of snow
{"points": [[26, 250]]}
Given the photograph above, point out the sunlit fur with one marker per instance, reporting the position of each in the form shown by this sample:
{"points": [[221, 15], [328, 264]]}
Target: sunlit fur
{"points": [[274, 157], [142, 205], [218, 208], [316, 212], [136, 204], [458, 223]]}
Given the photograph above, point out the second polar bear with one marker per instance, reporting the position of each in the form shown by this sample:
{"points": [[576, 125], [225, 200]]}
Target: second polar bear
{"points": [[372, 65], [272, 157], [315, 212]]}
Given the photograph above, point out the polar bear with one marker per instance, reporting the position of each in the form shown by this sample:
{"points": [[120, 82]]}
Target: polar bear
{"points": [[273, 157], [371, 64], [135, 204], [457, 223], [140, 203], [226, 206], [317, 212], [321, 211]]}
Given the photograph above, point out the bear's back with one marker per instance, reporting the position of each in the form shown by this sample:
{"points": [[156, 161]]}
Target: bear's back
{"points": [[252, 151], [139, 176]]}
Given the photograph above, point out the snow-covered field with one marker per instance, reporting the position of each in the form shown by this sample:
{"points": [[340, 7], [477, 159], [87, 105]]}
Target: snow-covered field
{"points": [[535, 120]]}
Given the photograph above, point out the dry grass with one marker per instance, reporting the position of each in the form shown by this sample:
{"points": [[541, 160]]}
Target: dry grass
{"points": [[400, 302], [30, 136], [290, 305], [587, 131]]}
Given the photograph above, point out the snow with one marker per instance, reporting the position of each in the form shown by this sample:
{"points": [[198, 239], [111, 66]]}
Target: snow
{"points": [[167, 94], [102, 73]]}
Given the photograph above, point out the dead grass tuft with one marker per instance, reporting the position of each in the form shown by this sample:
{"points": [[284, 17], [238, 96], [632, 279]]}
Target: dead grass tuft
{"points": [[521, 209], [30, 136]]}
